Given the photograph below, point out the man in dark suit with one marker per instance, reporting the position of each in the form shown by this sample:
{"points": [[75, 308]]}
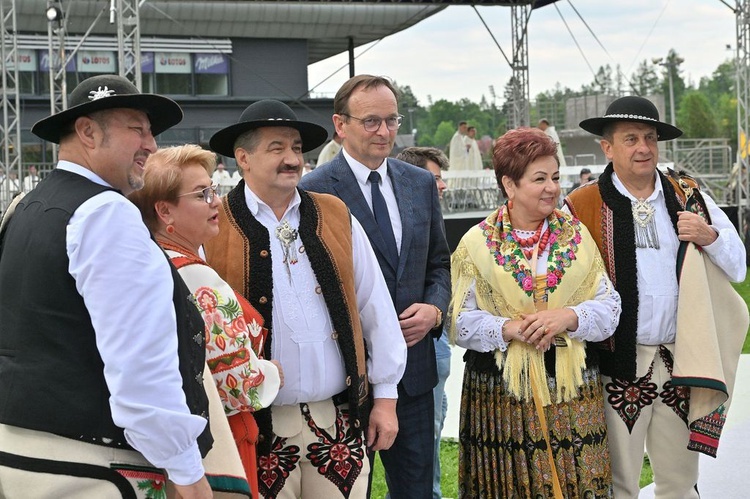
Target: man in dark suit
{"points": [[397, 204]]}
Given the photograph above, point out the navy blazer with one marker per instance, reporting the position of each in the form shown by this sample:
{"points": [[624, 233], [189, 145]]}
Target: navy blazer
{"points": [[423, 273]]}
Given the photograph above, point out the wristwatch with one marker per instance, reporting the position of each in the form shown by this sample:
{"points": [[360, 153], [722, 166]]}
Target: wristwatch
{"points": [[439, 319]]}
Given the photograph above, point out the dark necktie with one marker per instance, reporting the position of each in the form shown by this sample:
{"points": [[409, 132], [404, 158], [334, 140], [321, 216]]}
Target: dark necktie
{"points": [[380, 210]]}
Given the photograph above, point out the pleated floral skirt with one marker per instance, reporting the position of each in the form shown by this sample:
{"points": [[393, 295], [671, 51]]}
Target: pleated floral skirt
{"points": [[503, 452]]}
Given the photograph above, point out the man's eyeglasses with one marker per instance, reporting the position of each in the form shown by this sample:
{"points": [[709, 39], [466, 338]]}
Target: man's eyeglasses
{"points": [[208, 193], [373, 123]]}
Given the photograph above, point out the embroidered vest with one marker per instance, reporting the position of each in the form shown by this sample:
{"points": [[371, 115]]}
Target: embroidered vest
{"points": [[51, 371], [241, 255], [608, 216]]}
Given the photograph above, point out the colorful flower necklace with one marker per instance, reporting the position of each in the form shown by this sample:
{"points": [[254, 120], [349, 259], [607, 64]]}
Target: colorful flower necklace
{"points": [[509, 254]]}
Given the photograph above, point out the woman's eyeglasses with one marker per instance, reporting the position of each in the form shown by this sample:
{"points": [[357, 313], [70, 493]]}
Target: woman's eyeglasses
{"points": [[208, 193]]}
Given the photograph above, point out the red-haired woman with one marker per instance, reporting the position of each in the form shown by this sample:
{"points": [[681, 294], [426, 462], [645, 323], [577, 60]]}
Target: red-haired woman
{"points": [[529, 291]]}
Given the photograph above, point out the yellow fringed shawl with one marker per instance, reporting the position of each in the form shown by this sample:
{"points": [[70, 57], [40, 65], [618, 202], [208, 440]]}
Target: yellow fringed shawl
{"points": [[489, 258]]}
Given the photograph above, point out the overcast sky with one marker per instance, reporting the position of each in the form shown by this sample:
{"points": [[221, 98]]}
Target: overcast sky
{"points": [[451, 55]]}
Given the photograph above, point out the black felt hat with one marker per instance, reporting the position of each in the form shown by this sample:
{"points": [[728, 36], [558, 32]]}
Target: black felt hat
{"points": [[266, 113], [109, 92], [632, 108]]}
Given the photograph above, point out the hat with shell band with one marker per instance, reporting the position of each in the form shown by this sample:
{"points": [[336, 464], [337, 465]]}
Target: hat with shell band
{"points": [[632, 108], [265, 113], [108, 92]]}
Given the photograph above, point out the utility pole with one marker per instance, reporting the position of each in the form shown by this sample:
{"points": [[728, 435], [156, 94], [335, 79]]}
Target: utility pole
{"points": [[494, 97], [671, 65]]}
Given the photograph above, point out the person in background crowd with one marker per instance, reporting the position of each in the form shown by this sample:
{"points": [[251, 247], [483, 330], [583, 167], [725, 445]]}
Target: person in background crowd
{"points": [[638, 216], [398, 206], [305, 263], [584, 176], [9, 188], [114, 335], [330, 150], [222, 179], [545, 126], [475, 156], [179, 205], [31, 179], [458, 150], [529, 292]]}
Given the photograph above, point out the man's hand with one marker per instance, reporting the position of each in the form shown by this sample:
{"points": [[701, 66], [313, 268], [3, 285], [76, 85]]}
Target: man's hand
{"points": [[281, 371], [199, 490], [416, 321], [693, 227], [383, 426]]}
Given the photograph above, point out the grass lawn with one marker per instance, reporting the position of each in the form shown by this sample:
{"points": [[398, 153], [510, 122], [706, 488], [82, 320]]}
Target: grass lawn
{"points": [[449, 448], [743, 289], [448, 472]]}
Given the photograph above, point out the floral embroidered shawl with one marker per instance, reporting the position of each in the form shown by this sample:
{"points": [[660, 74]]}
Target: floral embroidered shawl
{"points": [[489, 258]]}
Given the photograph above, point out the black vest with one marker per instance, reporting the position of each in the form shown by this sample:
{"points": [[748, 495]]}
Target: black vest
{"points": [[51, 373]]}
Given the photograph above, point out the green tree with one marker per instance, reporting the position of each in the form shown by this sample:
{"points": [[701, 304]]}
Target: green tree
{"points": [[719, 88], [645, 81], [604, 82], [721, 82], [695, 117], [726, 118], [443, 134]]}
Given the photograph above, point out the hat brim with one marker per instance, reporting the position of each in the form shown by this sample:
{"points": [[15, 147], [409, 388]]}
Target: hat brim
{"points": [[312, 135], [665, 131], [163, 113]]}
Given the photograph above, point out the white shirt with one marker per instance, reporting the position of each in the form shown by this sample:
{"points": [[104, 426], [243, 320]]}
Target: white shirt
{"points": [[221, 177], [474, 162], [657, 278], [29, 182], [303, 337], [125, 281], [362, 174], [481, 331], [9, 188], [552, 133]]}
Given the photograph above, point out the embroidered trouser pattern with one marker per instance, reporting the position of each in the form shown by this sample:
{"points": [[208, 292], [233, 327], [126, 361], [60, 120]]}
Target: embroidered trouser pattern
{"points": [[628, 398], [650, 412], [318, 462]]}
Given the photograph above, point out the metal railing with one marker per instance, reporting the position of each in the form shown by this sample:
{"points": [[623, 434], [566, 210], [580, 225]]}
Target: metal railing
{"points": [[710, 162], [470, 191]]}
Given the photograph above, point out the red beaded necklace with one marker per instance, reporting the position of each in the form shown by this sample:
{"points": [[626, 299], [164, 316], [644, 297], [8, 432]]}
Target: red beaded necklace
{"points": [[527, 243]]}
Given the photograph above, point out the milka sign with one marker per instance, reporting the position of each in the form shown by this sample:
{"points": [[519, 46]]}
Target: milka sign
{"points": [[211, 63]]}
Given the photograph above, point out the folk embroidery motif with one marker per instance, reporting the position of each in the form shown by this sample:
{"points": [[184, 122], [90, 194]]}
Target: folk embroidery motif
{"points": [[338, 458], [228, 337], [676, 398], [629, 398], [149, 482], [275, 468]]}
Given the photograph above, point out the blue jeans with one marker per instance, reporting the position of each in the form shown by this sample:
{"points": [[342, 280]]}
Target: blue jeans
{"points": [[441, 405]]}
